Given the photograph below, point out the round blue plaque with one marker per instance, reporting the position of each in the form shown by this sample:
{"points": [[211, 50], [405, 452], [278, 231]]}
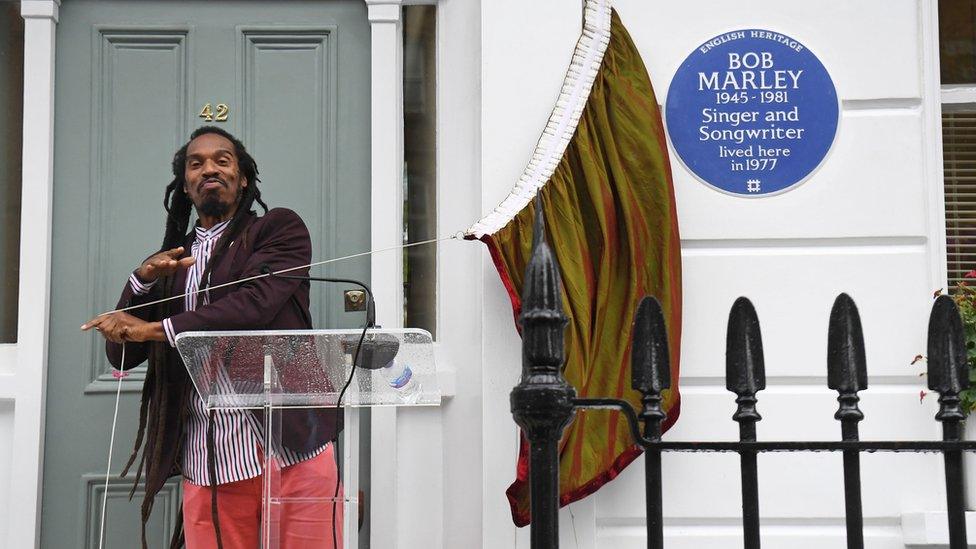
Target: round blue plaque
{"points": [[752, 112]]}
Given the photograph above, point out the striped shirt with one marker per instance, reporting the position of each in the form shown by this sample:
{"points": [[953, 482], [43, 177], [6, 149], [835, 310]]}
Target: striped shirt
{"points": [[237, 433]]}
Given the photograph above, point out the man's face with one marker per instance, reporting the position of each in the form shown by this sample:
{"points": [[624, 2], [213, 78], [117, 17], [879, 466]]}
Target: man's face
{"points": [[212, 178]]}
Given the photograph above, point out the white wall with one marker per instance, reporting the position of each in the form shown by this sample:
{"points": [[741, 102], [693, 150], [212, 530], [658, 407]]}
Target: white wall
{"points": [[863, 224], [8, 358], [525, 50], [459, 274], [6, 453], [866, 223], [439, 456]]}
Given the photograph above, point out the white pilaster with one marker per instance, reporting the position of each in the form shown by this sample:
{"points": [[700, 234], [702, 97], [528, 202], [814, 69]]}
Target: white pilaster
{"points": [[386, 108], [932, 142], [40, 20], [460, 279]]}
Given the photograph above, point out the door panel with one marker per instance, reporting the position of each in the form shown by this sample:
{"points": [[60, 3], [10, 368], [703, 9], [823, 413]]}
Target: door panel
{"points": [[279, 121], [131, 80], [140, 88]]}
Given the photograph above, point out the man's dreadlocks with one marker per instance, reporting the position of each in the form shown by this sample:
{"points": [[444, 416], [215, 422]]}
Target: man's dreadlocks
{"points": [[158, 400]]}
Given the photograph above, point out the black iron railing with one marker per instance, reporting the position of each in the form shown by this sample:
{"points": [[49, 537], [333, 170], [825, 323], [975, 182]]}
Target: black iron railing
{"points": [[543, 403]]}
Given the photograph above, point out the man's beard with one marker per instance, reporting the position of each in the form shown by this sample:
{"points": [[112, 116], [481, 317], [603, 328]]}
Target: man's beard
{"points": [[213, 207]]}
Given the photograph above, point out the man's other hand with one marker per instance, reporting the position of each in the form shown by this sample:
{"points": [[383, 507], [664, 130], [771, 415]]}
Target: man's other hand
{"points": [[119, 327], [164, 263]]}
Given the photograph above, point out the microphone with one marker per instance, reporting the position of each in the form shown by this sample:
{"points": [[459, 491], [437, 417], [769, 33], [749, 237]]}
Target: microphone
{"points": [[376, 350]]}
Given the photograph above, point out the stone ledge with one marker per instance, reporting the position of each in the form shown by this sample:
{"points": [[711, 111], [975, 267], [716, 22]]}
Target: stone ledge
{"points": [[931, 529]]}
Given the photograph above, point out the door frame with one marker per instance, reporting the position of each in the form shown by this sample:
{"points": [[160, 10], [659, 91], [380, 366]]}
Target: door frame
{"points": [[26, 387], [30, 371]]}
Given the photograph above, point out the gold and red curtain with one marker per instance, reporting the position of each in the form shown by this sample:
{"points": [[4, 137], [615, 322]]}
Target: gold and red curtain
{"points": [[601, 169]]}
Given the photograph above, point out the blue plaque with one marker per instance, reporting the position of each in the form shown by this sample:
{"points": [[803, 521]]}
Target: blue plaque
{"points": [[752, 112]]}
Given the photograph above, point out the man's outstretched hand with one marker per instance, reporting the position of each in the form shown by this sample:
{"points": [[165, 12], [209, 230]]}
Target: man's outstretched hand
{"points": [[164, 263], [119, 327]]}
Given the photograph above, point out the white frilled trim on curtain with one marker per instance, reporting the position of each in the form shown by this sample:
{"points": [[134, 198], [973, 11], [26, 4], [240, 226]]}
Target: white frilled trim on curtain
{"points": [[562, 123]]}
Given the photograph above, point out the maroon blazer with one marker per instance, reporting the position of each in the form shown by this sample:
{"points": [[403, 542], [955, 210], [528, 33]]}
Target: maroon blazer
{"points": [[278, 240]]}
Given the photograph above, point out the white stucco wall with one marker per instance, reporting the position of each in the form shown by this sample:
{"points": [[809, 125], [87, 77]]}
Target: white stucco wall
{"points": [[867, 223]]}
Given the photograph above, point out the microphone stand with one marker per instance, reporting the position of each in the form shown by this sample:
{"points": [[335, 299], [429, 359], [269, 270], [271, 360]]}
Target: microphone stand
{"points": [[370, 304], [370, 323]]}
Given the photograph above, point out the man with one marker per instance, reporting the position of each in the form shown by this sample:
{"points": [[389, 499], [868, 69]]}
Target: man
{"points": [[219, 453]]}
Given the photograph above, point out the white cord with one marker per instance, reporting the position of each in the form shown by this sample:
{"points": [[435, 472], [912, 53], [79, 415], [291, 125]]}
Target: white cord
{"points": [[111, 443], [456, 236]]}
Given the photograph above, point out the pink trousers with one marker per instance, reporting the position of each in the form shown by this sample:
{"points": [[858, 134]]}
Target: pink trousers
{"points": [[303, 525]]}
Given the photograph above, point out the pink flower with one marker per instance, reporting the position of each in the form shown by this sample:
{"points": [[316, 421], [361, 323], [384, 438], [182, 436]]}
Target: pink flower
{"points": [[970, 274]]}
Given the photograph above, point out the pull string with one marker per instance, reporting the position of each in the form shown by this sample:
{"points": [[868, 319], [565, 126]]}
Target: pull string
{"points": [[120, 374], [457, 236]]}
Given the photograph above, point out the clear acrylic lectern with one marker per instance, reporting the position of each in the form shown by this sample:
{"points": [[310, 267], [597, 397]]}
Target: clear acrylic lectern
{"points": [[288, 379]]}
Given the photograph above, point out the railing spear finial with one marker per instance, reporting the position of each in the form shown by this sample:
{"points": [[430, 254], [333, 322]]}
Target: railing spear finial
{"points": [[745, 375], [745, 369], [948, 375], [650, 360], [650, 373], [847, 373], [542, 401]]}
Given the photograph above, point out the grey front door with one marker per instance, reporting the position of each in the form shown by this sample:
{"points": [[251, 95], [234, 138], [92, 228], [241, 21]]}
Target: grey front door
{"points": [[291, 79]]}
